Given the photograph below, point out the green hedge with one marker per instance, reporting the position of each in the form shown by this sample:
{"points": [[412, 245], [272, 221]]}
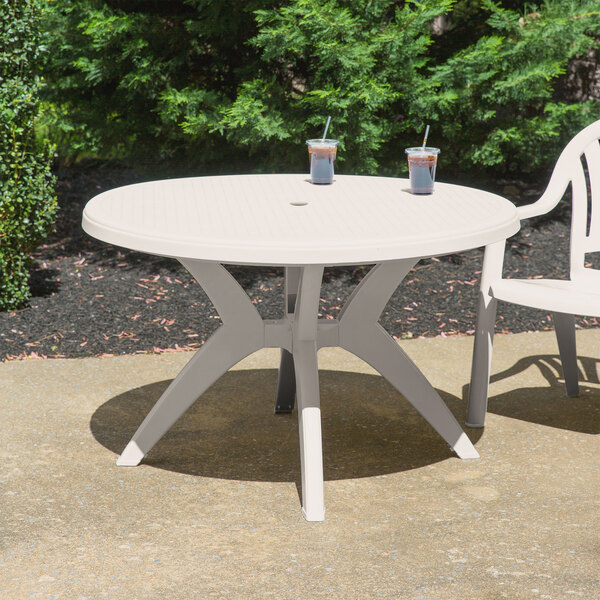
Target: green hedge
{"points": [[27, 201], [237, 85]]}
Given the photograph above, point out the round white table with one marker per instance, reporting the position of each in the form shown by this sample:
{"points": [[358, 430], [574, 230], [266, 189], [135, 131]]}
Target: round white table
{"points": [[206, 222]]}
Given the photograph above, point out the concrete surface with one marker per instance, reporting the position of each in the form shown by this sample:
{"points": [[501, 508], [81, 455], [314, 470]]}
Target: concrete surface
{"points": [[214, 510]]}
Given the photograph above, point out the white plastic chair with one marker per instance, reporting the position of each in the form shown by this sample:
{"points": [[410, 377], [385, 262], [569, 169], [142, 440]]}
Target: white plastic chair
{"points": [[579, 295]]}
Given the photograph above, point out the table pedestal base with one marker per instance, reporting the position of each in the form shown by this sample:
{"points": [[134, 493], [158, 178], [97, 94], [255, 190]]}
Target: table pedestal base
{"points": [[299, 334]]}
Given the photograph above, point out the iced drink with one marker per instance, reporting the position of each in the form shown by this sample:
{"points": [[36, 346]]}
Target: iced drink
{"points": [[421, 168], [321, 154]]}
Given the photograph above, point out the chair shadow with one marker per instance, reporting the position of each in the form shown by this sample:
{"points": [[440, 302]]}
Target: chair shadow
{"points": [[550, 405], [231, 432]]}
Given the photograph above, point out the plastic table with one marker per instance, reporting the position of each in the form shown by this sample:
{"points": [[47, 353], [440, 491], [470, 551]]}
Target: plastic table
{"points": [[284, 220]]}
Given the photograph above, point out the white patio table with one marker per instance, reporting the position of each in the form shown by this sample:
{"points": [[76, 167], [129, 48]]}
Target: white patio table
{"points": [[284, 220]]}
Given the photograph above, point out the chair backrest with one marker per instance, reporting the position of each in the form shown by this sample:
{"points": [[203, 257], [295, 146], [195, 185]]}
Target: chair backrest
{"points": [[579, 165]]}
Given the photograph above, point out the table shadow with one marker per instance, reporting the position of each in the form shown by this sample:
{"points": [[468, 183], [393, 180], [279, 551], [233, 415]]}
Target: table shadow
{"points": [[549, 405], [231, 432]]}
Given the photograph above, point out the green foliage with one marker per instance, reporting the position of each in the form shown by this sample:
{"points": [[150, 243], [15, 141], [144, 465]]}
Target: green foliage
{"points": [[125, 76], [243, 84], [355, 60], [495, 101], [27, 202]]}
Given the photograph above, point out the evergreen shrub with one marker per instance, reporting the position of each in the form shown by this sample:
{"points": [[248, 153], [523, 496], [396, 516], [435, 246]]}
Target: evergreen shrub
{"points": [[245, 83], [497, 101], [27, 201]]}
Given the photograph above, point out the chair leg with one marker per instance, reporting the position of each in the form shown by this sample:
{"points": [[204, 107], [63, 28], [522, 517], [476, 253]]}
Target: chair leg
{"points": [[482, 361], [564, 326]]}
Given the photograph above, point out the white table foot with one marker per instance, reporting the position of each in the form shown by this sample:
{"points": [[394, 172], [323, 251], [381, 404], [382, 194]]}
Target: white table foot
{"points": [[131, 456], [313, 515], [464, 448]]}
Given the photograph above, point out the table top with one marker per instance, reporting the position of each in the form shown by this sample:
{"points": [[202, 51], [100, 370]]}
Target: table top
{"points": [[286, 220]]}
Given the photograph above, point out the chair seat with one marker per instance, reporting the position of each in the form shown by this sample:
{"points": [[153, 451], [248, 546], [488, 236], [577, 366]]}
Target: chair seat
{"points": [[554, 295]]}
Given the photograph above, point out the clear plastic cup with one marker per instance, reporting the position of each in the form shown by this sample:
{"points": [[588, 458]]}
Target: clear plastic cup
{"points": [[321, 154], [422, 162]]}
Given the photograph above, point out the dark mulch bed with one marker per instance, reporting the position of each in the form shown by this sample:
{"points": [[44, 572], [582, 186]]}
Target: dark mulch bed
{"points": [[92, 299]]}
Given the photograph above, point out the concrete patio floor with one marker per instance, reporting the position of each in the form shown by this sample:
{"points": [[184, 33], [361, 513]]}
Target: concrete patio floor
{"points": [[214, 510]]}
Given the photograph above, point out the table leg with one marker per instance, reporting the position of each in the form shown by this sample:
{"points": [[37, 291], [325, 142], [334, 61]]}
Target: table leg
{"points": [[361, 334], [307, 382], [286, 384], [241, 333], [286, 381]]}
